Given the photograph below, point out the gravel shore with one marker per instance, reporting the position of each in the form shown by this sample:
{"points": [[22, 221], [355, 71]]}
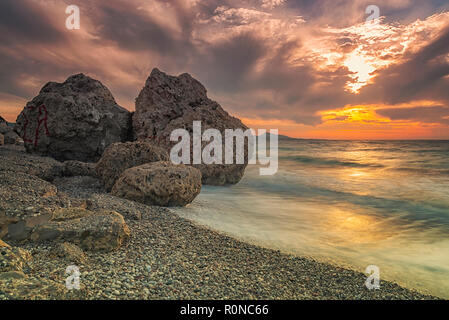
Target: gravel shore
{"points": [[169, 257]]}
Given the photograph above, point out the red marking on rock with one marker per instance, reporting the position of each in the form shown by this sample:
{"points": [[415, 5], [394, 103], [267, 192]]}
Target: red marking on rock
{"points": [[39, 123]]}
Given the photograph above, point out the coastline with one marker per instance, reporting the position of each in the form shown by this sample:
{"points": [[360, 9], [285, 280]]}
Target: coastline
{"points": [[170, 257]]}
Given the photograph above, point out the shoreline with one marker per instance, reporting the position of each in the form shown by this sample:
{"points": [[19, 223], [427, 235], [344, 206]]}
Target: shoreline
{"points": [[170, 257]]}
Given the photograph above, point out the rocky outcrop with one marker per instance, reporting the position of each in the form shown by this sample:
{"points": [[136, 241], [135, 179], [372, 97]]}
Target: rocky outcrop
{"points": [[167, 103], [25, 202], [74, 120], [159, 183], [95, 231], [120, 156], [31, 208], [2, 139]]}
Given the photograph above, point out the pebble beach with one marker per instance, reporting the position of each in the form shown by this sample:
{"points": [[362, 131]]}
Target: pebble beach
{"points": [[169, 257]]}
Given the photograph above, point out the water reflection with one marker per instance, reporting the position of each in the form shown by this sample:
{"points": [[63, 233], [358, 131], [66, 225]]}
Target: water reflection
{"points": [[353, 203]]}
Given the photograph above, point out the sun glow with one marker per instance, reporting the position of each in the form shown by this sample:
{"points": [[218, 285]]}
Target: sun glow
{"points": [[362, 72]]}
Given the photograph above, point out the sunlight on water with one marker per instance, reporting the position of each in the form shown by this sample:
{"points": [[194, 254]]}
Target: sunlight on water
{"points": [[351, 203]]}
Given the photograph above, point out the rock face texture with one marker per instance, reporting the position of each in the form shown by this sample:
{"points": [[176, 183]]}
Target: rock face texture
{"points": [[95, 231], [120, 156], [2, 139], [167, 103], [74, 120], [159, 183]]}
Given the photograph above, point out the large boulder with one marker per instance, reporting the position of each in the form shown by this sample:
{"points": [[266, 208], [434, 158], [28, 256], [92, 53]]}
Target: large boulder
{"points": [[159, 183], [94, 231], [167, 103], [74, 120], [120, 156]]}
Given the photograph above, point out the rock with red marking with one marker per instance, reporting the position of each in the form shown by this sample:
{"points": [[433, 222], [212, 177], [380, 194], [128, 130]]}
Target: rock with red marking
{"points": [[73, 120]]}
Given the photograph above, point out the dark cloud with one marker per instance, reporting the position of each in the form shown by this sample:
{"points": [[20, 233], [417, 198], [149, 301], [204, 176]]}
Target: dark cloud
{"points": [[257, 72], [23, 21], [433, 114], [226, 65], [422, 76], [132, 29]]}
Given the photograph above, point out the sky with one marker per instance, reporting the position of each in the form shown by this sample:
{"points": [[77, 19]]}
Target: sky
{"points": [[311, 69]]}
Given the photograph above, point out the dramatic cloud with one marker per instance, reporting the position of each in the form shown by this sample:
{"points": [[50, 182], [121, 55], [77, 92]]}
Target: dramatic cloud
{"points": [[311, 68], [418, 114]]}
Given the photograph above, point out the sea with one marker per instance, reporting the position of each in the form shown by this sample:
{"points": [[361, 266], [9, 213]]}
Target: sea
{"points": [[349, 203]]}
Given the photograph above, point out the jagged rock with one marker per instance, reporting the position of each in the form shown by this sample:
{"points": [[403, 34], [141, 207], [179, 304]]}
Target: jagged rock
{"points": [[167, 103], [77, 168], [12, 258], [2, 139], [69, 252], [159, 183], [120, 156], [74, 120], [25, 202], [15, 159], [95, 231]]}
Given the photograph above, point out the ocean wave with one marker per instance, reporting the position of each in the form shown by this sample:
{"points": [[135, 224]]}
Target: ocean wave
{"points": [[424, 171], [286, 185], [329, 162]]}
